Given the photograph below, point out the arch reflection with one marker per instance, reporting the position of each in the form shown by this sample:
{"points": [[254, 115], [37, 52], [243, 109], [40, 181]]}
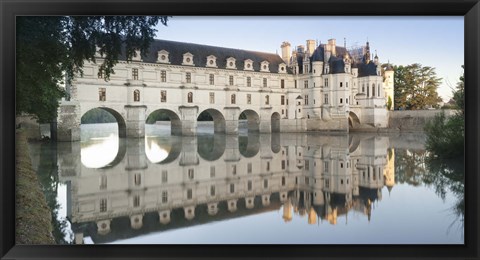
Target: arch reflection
{"points": [[164, 183]]}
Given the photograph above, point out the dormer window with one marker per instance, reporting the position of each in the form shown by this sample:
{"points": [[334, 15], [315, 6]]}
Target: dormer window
{"points": [[248, 65], [188, 59], [162, 56], [282, 68], [212, 61], [231, 63], [137, 56], [264, 66]]}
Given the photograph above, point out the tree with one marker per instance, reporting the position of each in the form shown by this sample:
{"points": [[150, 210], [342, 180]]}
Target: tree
{"points": [[416, 87], [389, 103], [446, 136], [52, 48]]}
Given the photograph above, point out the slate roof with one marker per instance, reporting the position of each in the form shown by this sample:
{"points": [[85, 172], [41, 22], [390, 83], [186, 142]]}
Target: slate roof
{"points": [[369, 69], [201, 52]]}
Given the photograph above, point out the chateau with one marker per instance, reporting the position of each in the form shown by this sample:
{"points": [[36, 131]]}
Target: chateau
{"points": [[317, 88]]}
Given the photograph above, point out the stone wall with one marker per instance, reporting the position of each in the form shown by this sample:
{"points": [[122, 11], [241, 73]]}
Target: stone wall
{"points": [[413, 120]]}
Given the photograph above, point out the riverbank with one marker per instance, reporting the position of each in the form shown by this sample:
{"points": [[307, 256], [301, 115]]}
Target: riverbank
{"points": [[33, 216]]}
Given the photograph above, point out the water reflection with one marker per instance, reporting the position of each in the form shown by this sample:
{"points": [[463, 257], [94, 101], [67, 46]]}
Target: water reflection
{"points": [[186, 181]]}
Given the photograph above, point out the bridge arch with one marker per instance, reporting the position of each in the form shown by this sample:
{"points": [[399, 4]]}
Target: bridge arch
{"points": [[122, 127], [253, 120], [353, 120], [249, 145], [211, 147], [216, 116], [163, 114]]}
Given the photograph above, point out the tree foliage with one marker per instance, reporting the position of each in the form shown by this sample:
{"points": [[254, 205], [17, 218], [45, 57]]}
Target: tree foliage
{"points": [[416, 87], [52, 48], [446, 136], [97, 115]]}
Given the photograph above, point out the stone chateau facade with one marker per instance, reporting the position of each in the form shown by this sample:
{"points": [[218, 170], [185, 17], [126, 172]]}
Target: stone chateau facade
{"points": [[317, 88]]}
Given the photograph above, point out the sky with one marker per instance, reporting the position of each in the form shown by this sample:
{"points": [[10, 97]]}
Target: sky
{"points": [[435, 41]]}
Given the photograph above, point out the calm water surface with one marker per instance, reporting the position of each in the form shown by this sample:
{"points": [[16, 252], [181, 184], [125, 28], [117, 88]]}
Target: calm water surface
{"points": [[250, 189]]}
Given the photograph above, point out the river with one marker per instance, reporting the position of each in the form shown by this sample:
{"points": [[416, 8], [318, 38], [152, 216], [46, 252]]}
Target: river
{"points": [[249, 188]]}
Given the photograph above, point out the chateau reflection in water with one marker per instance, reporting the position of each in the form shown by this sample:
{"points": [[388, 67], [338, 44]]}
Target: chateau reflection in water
{"points": [[163, 183]]}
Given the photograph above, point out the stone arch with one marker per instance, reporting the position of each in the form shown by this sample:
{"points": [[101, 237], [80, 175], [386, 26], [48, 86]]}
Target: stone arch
{"points": [[155, 146], [218, 119], [175, 122], [353, 143], [353, 120], [122, 127], [253, 120], [275, 122]]}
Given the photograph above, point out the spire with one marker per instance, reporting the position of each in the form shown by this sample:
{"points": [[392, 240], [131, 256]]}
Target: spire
{"points": [[345, 43]]}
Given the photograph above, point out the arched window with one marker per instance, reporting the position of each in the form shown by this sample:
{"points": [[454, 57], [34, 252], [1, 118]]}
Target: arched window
{"points": [[136, 95], [232, 97], [373, 90], [378, 90], [368, 90], [363, 88], [267, 100], [190, 97]]}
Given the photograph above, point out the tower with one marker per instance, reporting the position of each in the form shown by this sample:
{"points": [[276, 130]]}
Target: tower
{"points": [[388, 84], [366, 57], [310, 47]]}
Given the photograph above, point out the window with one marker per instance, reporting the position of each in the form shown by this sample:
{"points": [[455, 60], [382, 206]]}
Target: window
{"points": [[232, 188], [103, 182], [346, 84], [346, 101], [268, 166], [103, 205], [249, 99], [136, 95], [325, 167], [327, 183], [232, 99], [190, 174], [341, 100], [136, 201], [373, 90], [325, 99], [363, 88], [295, 83], [164, 176], [282, 100], [212, 190], [282, 83], [267, 100], [138, 179], [188, 77], [249, 168], [190, 97], [307, 165], [249, 81], [234, 169], [212, 171], [326, 82], [164, 196], [135, 74], [283, 181], [368, 90], [305, 84], [306, 99], [265, 183], [163, 96], [212, 98], [212, 79], [283, 164], [189, 194], [341, 165], [230, 80], [264, 82], [102, 94], [100, 74], [378, 90], [163, 76], [249, 185]]}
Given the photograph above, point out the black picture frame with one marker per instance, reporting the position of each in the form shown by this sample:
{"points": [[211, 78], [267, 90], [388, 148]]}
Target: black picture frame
{"points": [[470, 9]]}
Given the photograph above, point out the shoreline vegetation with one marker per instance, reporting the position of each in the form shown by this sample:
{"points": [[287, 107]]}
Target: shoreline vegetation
{"points": [[33, 223]]}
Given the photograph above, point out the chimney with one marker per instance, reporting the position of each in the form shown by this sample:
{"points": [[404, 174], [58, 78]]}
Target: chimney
{"points": [[286, 52]]}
